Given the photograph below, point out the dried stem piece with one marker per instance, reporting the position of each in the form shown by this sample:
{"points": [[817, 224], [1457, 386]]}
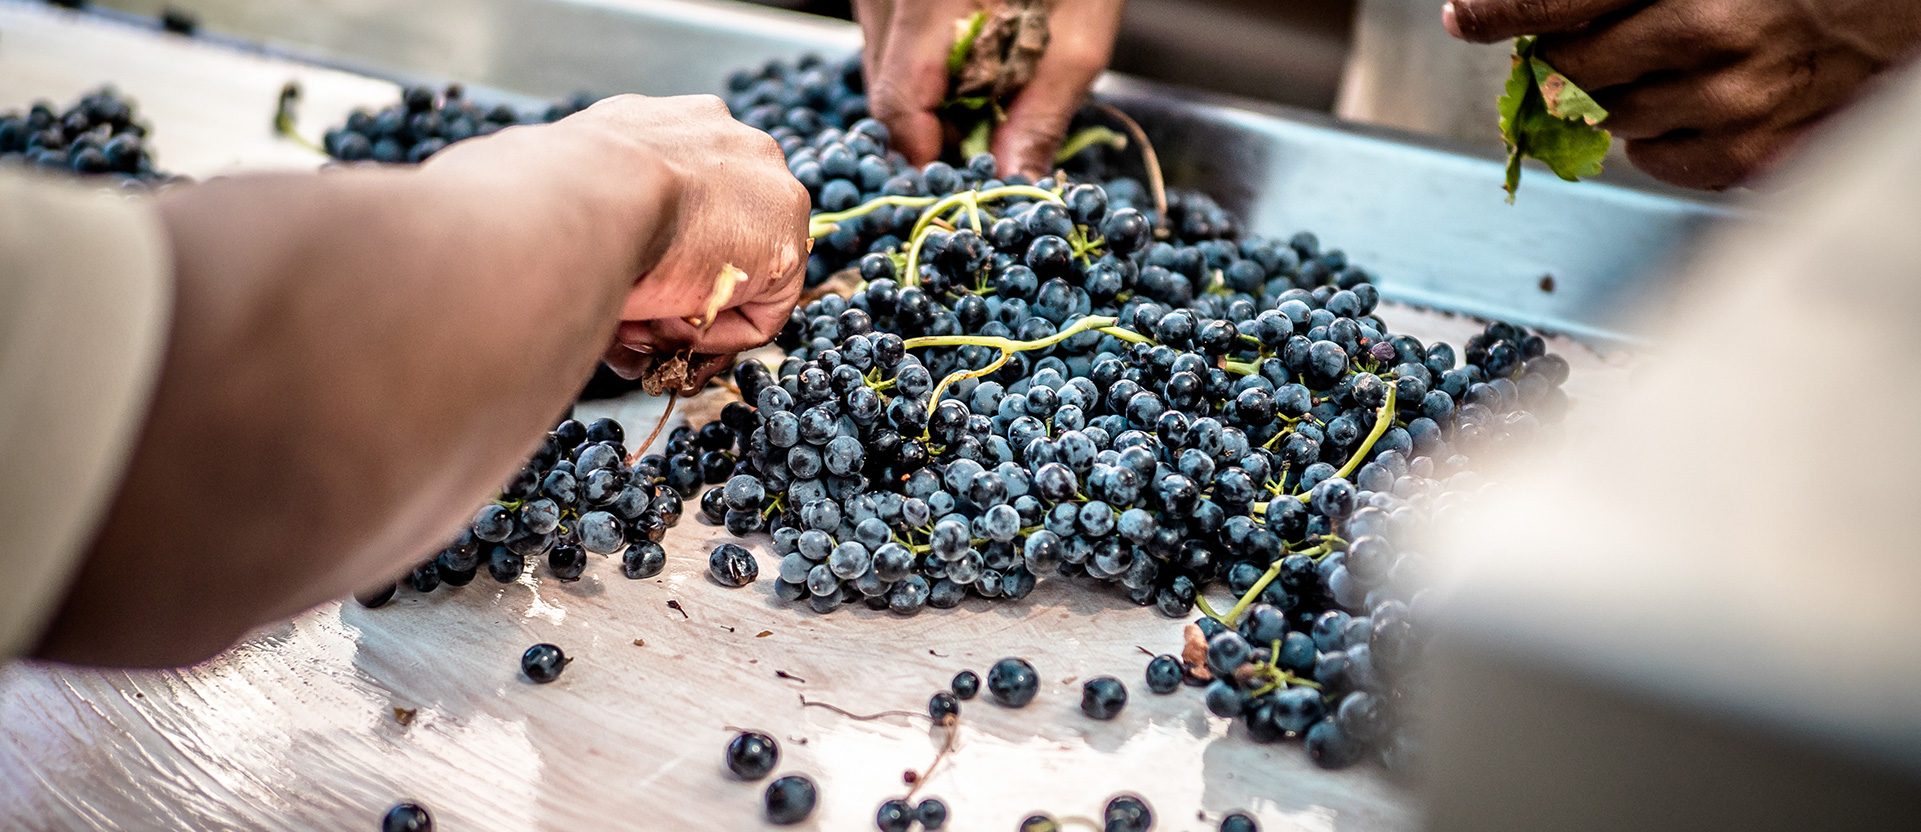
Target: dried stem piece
{"points": [[1156, 183]]}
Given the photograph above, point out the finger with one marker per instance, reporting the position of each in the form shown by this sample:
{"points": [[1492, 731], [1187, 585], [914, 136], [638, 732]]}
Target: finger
{"points": [[733, 331], [664, 294], [873, 16], [1083, 41], [625, 361], [1631, 47], [1487, 21], [730, 332], [1713, 160], [911, 79], [1709, 102]]}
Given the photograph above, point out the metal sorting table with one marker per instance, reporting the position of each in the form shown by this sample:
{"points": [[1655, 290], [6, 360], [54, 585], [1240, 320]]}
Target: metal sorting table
{"points": [[299, 726]]}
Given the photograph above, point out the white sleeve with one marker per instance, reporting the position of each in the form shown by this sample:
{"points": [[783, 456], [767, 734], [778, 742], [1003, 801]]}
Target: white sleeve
{"points": [[1727, 551], [85, 292]]}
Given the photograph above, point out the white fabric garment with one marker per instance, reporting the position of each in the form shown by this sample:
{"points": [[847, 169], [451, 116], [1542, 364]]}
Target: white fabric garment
{"points": [[1732, 544], [85, 290]]}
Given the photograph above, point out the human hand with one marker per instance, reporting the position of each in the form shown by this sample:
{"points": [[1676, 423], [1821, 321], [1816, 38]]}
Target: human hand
{"points": [[1706, 93], [905, 60], [734, 205], [687, 191]]}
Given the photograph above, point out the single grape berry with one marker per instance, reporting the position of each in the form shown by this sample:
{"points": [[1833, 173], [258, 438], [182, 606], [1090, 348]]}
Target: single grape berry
{"points": [[790, 799], [644, 559], [1164, 674], [1102, 697], [1127, 813], [1039, 822], [932, 813], [1013, 682], [894, 816], [407, 817], [1239, 822], [543, 662], [966, 684], [732, 566], [943, 707], [752, 755]]}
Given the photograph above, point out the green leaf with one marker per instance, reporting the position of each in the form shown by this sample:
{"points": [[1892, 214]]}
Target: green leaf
{"points": [[1520, 85], [1571, 148], [1545, 116], [970, 30]]}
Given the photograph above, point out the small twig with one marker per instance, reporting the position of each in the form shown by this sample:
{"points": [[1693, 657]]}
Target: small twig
{"points": [[946, 748], [785, 675], [815, 703], [640, 450], [676, 607], [1156, 183]]}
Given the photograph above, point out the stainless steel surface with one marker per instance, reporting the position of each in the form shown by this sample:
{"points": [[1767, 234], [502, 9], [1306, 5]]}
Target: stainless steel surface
{"points": [[1427, 217]]}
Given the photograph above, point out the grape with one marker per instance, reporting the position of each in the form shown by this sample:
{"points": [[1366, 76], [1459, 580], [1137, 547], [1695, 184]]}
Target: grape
{"points": [[732, 566], [600, 532], [643, 559], [99, 137], [1102, 697]]}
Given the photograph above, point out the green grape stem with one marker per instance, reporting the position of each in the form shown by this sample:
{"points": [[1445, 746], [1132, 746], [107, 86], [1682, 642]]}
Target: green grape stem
{"points": [[1247, 599], [824, 224], [1383, 419]]}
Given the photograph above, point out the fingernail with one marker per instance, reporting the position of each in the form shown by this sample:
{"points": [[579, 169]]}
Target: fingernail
{"points": [[1448, 20]]}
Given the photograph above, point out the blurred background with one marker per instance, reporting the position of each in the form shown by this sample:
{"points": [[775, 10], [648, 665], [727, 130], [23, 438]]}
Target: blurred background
{"points": [[1288, 53]]}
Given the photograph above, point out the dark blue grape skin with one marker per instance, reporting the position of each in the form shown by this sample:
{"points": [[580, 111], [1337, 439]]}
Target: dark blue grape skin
{"points": [[932, 813], [1330, 747], [790, 799], [1164, 673], [895, 815], [752, 755], [1239, 822], [966, 684], [1013, 683], [943, 707], [643, 559], [1102, 697], [1127, 813], [566, 562], [407, 817], [542, 663], [732, 566]]}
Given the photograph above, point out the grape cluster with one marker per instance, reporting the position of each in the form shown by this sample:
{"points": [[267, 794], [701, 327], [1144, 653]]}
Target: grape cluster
{"points": [[817, 111], [576, 496], [421, 124], [99, 136], [1039, 381]]}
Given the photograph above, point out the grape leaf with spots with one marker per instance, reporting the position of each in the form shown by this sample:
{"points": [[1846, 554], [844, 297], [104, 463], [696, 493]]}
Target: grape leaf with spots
{"points": [[1545, 116]]}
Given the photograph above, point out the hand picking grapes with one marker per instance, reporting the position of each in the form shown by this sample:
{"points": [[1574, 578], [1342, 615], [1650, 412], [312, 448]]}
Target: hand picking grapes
{"points": [[341, 366]]}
